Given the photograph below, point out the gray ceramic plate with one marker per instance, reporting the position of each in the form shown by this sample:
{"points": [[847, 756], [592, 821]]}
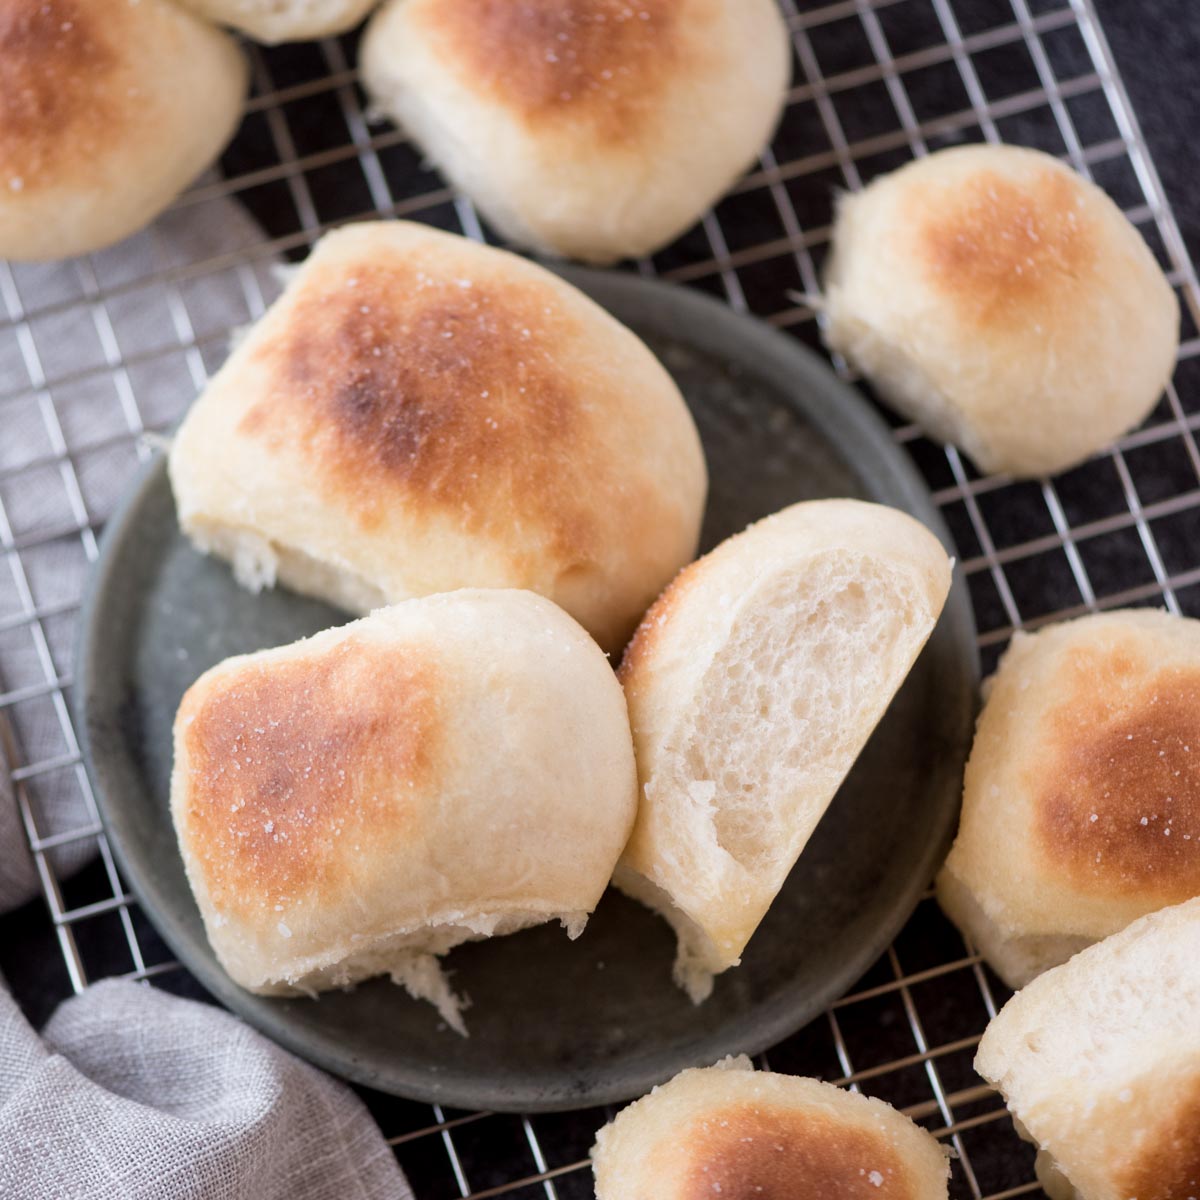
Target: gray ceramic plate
{"points": [[559, 1024]]}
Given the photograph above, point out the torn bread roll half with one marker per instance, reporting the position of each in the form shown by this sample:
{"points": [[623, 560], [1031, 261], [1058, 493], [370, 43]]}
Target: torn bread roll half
{"points": [[108, 110], [574, 125], [1081, 800], [1004, 303], [1099, 1061], [753, 684], [419, 413], [451, 768], [731, 1131]]}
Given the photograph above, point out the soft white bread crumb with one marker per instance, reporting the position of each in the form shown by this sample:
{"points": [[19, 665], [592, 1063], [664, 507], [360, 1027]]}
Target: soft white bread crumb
{"points": [[731, 1133], [358, 803], [592, 129], [1004, 303], [1099, 1061], [1081, 800], [753, 684]]}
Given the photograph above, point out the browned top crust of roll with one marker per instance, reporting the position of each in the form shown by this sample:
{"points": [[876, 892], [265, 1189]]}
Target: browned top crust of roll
{"points": [[291, 770], [1009, 253], [65, 90], [602, 62], [753, 1152], [1118, 803], [448, 392]]}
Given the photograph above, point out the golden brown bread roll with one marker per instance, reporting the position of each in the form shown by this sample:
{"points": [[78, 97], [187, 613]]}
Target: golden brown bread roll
{"points": [[738, 1134], [594, 129], [1081, 802], [1004, 303], [1099, 1061], [108, 108], [419, 413], [357, 803]]}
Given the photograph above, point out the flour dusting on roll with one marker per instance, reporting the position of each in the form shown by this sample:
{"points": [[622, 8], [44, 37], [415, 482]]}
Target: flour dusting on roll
{"points": [[1004, 303], [753, 685], [358, 803]]}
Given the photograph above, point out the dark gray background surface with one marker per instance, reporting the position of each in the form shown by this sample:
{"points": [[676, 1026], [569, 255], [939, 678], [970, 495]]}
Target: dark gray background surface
{"points": [[1157, 47]]}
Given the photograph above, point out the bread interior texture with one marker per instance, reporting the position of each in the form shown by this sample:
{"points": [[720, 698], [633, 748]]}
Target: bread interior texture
{"points": [[781, 708], [804, 671], [260, 563]]}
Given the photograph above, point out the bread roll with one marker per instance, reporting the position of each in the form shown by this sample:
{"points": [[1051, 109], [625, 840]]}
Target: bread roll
{"points": [[730, 1131], [108, 109], [451, 768], [274, 21], [1081, 802], [594, 129], [1099, 1061], [753, 684], [1004, 303], [419, 413]]}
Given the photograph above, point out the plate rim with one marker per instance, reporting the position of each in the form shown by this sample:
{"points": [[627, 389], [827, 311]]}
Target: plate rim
{"points": [[855, 426]]}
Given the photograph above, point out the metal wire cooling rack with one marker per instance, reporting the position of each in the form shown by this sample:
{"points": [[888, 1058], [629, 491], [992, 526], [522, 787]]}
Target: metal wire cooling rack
{"points": [[877, 81]]}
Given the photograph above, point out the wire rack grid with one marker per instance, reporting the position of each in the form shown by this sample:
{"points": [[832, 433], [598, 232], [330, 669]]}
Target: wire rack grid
{"points": [[876, 83]]}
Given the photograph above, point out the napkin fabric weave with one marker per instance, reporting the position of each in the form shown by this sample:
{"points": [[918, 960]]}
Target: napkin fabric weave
{"points": [[137, 1094]]}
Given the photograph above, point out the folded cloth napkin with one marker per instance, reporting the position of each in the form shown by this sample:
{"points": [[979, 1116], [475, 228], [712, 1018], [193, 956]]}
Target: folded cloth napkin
{"points": [[136, 1094]]}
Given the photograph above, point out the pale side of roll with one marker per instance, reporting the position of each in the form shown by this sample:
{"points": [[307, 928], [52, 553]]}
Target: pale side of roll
{"points": [[274, 21], [753, 684], [419, 413], [357, 803], [1004, 303], [1081, 801], [1099, 1061], [592, 129], [108, 109], [732, 1132]]}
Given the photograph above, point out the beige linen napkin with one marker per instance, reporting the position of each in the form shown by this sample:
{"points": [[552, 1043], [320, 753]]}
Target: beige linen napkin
{"points": [[136, 1094]]}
